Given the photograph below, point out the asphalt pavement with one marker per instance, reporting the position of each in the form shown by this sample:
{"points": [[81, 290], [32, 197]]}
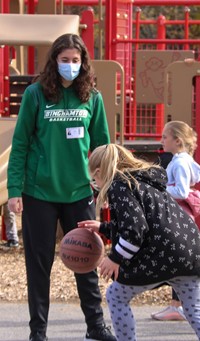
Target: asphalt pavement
{"points": [[66, 323]]}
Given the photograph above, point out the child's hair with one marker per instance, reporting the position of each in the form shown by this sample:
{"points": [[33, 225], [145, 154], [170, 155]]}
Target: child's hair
{"points": [[186, 135], [112, 159]]}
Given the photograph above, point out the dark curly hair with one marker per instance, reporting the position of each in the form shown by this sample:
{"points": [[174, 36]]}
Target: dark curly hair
{"points": [[50, 79]]}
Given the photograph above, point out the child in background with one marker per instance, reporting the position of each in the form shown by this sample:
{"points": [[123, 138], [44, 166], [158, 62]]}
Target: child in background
{"points": [[147, 228], [11, 227], [183, 173]]}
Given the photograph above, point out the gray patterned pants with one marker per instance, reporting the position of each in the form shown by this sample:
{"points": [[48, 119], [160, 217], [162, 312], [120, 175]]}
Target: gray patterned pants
{"points": [[119, 296]]}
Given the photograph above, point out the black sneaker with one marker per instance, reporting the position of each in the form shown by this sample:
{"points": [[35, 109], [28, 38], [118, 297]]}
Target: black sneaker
{"points": [[100, 334], [11, 243], [38, 337]]}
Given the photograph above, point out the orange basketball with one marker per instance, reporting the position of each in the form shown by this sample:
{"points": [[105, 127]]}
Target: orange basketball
{"points": [[81, 250]]}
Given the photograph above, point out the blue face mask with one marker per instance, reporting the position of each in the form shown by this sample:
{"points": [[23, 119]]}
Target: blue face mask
{"points": [[69, 71]]}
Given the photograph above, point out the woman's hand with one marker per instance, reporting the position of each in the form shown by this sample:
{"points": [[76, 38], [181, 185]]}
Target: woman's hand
{"points": [[109, 269], [90, 224], [15, 205]]}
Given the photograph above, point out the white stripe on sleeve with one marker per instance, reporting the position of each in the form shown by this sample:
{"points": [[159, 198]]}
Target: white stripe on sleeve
{"points": [[122, 245]]}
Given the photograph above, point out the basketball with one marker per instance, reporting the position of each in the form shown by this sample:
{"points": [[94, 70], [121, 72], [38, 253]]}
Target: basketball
{"points": [[81, 250]]}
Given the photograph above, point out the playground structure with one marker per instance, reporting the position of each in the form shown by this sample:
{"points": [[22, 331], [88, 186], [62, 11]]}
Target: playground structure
{"points": [[144, 81]]}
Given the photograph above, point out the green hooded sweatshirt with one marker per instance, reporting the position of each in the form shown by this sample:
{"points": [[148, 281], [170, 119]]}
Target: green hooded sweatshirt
{"points": [[51, 142]]}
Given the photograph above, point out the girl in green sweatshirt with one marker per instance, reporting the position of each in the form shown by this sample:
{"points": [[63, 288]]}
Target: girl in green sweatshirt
{"points": [[61, 119]]}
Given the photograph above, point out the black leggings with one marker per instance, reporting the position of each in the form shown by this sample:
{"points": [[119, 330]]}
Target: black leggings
{"points": [[39, 225]]}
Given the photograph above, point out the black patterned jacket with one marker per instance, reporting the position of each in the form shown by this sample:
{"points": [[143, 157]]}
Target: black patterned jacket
{"points": [[153, 239]]}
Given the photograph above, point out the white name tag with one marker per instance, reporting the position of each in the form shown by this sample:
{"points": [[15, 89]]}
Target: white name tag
{"points": [[75, 133]]}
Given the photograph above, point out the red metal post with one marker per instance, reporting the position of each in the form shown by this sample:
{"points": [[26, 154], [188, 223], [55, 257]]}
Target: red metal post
{"points": [[31, 6], [5, 6], [110, 54], [111, 29], [87, 34], [105, 216], [6, 85], [128, 66], [4, 89], [31, 50], [161, 33], [134, 104], [4, 65], [3, 229], [108, 30]]}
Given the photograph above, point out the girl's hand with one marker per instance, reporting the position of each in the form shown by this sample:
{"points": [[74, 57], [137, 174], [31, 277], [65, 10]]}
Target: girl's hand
{"points": [[109, 269], [15, 205], [90, 224]]}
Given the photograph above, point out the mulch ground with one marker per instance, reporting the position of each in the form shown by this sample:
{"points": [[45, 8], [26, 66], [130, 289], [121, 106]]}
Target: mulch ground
{"points": [[13, 285]]}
